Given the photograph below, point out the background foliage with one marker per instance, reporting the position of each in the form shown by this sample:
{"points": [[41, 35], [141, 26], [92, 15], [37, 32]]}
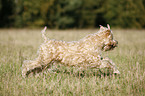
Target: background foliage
{"points": [[72, 13]]}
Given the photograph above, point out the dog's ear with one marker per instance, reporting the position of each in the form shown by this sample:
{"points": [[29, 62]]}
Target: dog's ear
{"points": [[101, 27], [108, 32], [108, 26]]}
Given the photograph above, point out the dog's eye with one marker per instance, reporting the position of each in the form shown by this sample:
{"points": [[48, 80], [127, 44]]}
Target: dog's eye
{"points": [[107, 33]]}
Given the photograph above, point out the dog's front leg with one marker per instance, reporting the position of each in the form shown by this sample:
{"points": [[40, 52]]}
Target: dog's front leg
{"points": [[107, 63]]}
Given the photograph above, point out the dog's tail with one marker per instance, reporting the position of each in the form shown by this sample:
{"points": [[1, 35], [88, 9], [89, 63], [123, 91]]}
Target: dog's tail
{"points": [[43, 34]]}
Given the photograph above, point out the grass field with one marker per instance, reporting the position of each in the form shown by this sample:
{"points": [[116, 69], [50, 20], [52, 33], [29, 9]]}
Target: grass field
{"points": [[21, 44]]}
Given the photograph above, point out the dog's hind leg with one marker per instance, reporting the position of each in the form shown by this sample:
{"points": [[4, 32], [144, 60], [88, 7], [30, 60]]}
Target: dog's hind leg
{"points": [[30, 67]]}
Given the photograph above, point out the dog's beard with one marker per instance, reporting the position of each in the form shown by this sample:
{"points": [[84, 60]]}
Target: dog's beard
{"points": [[110, 46]]}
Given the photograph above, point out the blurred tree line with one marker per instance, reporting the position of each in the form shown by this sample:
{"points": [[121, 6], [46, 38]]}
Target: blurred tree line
{"points": [[72, 13]]}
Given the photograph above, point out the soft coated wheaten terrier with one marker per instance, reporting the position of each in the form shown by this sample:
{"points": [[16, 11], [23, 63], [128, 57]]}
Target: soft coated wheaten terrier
{"points": [[85, 53]]}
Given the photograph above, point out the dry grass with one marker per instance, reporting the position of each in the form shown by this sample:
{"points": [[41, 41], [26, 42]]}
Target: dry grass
{"points": [[17, 45]]}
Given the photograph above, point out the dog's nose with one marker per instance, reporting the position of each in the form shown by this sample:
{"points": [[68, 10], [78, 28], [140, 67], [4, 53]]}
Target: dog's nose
{"points": [[116, 42]]}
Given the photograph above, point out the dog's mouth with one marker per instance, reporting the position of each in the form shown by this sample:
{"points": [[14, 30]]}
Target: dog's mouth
{"points": [[111, 46]]}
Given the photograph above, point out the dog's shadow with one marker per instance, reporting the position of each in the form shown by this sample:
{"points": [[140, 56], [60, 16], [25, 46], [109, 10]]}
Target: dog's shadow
{"points": [[76, 72], [83, 72]]}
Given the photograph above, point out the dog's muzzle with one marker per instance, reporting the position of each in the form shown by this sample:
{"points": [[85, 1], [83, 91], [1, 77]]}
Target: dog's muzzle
{"points": [[110, 45]]}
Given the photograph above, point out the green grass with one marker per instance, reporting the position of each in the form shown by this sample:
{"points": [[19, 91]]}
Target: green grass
{"points": [[21, 44]]}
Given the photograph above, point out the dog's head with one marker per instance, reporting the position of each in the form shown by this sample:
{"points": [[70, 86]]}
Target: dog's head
{"points": [[107, 38]]}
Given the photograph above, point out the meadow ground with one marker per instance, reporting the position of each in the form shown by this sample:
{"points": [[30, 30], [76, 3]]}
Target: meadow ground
{"points": [[21, 44]]}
